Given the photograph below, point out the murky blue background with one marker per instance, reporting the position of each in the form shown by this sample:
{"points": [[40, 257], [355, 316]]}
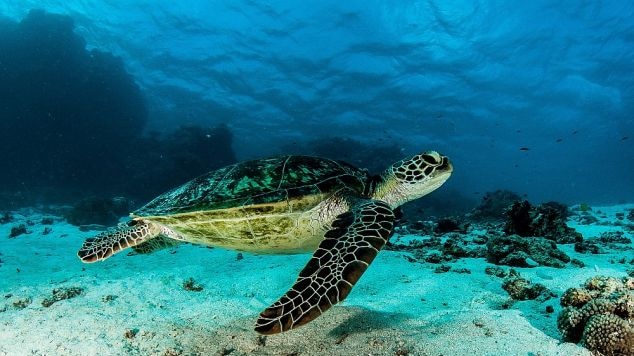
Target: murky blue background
{"points": [[536, 97]]}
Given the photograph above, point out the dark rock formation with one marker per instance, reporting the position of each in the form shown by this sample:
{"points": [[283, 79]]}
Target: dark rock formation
{"points": [[17, 231], [545, 221], [520, 251], [450, 224], [520, 288]]}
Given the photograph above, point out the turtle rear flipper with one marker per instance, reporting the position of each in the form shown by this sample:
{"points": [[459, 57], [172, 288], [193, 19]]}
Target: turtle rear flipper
{"points": [[111, 241], [343, 255]]}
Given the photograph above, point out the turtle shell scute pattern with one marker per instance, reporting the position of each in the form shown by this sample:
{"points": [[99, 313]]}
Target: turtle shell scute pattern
{"points": [[258, 182]]}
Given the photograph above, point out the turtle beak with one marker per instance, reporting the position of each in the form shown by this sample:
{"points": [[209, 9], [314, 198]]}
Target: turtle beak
{"points": [[445, 166]]}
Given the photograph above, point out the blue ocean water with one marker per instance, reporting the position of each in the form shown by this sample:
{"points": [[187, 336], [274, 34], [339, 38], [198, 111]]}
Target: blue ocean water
{"points": [[476, 80], [118, 101]]}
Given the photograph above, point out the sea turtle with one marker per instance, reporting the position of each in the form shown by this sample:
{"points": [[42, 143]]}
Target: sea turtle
{"points": [[287, 204]]}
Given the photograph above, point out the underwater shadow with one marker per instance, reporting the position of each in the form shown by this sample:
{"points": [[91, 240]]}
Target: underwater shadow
{"points": [[360, 320], [343, 331]]}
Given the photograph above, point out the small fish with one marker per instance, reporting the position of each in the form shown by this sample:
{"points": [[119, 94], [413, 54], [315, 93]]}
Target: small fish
{"points": [[524, 149], [575, 132], [559, 140], [624, 138]]}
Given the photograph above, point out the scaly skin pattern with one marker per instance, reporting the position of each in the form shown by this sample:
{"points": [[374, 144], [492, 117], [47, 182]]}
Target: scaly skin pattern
{"points": [[343, 255], [116, 239]]}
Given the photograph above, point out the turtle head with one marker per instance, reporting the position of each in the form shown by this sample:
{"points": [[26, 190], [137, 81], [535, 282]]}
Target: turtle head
{"points": [[412, 178]]}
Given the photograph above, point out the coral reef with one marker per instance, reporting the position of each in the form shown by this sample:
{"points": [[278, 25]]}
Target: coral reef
{"points": [[494, 205], [577, 263], [191, 285], [588, 247], [47, 221], [544, 220], [496, 271], [103, 211], [60, 294], [437, 250], [455, 247], [520, 288], [451, 224], [563, 210], [521, 251], [21, 303], [109, 298], [613, 237], [17, 231], [600, 315], [609, 240]]}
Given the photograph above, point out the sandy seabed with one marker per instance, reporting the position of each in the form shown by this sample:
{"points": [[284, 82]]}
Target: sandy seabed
{"points": [[136, 305]]}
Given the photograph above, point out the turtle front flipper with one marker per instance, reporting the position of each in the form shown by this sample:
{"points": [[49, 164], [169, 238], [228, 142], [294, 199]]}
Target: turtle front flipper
{"points": [[343, 255], [111, 241]]}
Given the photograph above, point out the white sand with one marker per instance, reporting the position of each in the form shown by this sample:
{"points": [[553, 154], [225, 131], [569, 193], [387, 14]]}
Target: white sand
{"points": [[397, 305]]}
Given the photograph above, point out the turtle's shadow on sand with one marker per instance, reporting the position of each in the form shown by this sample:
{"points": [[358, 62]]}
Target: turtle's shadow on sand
{"points": [[360, 320], [343, 330]]}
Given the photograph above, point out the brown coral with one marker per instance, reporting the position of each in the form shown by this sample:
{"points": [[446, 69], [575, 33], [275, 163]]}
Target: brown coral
{"points": [[522, 289], [575, 297], [609, 335], [605, 285], [600, 316]]}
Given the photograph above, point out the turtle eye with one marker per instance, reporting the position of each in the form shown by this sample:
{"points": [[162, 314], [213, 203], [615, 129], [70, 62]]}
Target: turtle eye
{"points": [[431, 158]]}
